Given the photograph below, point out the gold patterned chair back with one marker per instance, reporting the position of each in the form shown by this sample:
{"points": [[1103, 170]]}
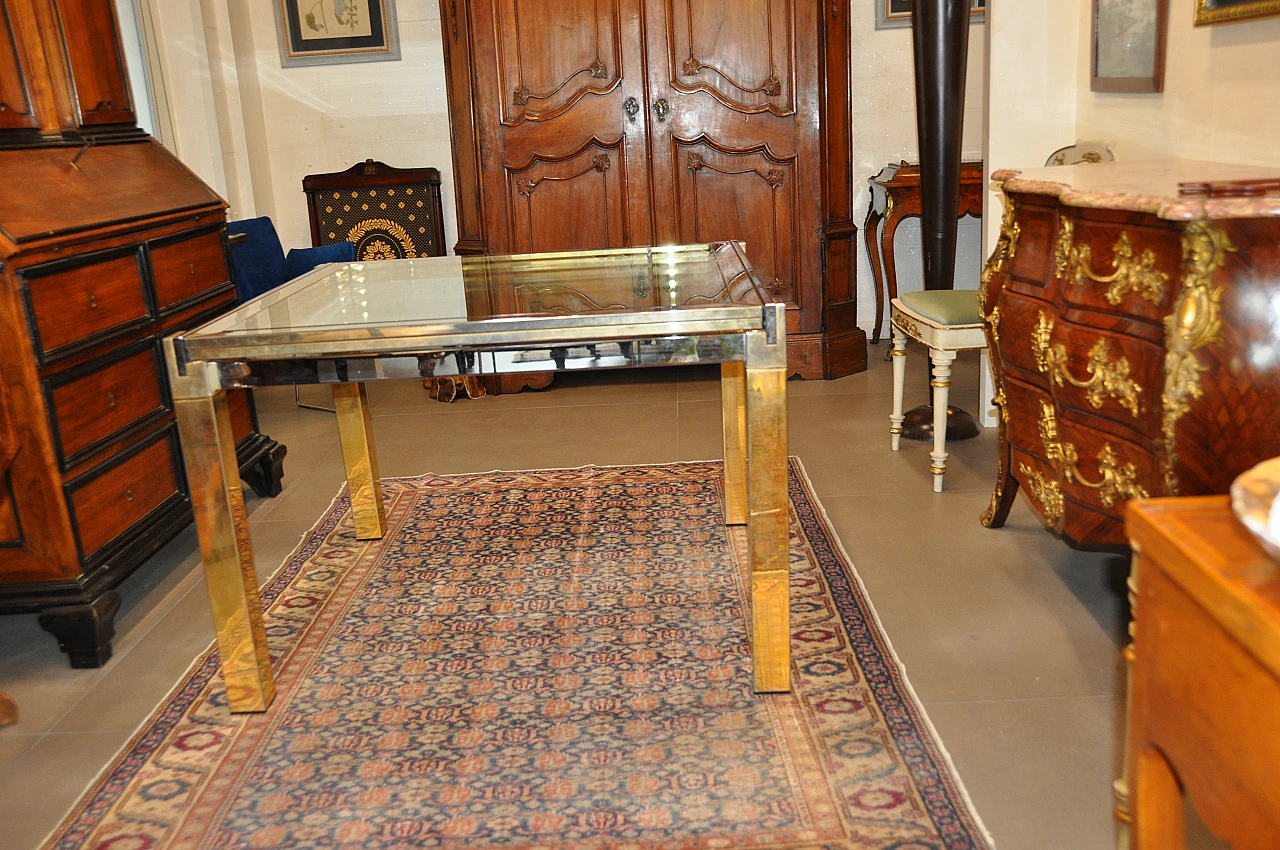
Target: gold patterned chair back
{"points": [[388, 213]]}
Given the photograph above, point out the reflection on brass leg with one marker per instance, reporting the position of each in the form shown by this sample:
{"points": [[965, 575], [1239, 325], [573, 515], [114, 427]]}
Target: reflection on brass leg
{"points": [[222, 526], [355, 430], [733, 404], [767, 525]]}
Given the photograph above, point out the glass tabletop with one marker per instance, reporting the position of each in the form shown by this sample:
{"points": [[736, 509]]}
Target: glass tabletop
{"points": [[530, 296]]}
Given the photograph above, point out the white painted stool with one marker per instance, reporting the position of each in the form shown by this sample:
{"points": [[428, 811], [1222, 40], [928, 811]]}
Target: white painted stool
{"points": [[945, 321]]}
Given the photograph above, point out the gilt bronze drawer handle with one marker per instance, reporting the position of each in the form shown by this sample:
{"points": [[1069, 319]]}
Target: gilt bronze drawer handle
{"points": [[1074, 263], [1106, 378], [1119, 481], [93, 302], [111, 399], [1047, 493]]}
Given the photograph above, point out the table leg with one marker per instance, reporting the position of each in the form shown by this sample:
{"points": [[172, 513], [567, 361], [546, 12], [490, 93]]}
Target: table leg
{"points": [[355, 431], [733, 408], [871, 233], [767, 523], [222, 526]]}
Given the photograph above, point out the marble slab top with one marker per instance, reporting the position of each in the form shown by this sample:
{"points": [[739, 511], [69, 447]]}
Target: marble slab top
{"points": [[1150, 187]]}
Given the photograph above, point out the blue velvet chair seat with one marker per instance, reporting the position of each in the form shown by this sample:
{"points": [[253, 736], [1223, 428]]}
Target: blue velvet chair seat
{"points": [[260, 264]]}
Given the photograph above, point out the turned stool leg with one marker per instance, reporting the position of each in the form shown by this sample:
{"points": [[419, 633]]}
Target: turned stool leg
{"points": [[899, 355], [941, 384]]}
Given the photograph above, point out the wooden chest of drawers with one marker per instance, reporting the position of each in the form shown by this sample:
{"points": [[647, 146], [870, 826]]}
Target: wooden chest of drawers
{"points": [[1135, 336], [91, 475]]}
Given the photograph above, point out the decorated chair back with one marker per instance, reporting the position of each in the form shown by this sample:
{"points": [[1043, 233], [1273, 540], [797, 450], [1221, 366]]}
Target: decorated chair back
{"points": [[387, 213]]}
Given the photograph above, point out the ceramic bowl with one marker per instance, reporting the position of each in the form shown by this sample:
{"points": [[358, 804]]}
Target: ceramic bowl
{"points": [[1253, 498]]}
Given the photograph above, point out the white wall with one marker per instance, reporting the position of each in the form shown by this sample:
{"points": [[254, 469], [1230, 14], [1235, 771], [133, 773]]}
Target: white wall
{"points": [[884, 131], [1221, 97], [253, 129], [1033, 70]]}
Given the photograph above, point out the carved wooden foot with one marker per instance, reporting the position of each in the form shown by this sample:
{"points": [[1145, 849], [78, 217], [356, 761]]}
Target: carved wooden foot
{"points": [[446, 389], [8, 711], [84, 632]]}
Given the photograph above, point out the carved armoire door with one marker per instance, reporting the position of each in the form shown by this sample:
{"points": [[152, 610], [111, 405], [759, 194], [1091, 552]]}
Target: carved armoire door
{"points": [[734, 130], [562, 168], [582, 124]]}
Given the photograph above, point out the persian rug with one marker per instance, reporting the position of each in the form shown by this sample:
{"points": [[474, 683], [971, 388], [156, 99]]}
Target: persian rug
{"points": [[536, 660]]}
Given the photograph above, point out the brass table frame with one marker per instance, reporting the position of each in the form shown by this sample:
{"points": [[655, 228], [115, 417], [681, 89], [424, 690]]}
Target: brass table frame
{"points": [[748, 341]]}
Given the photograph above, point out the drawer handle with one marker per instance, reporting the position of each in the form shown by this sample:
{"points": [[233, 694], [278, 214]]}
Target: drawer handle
{"points": [[1119, 481], [111, 399], [128, 494], [192, 266], [93, 302], [1106, 378], [1074, 263]]}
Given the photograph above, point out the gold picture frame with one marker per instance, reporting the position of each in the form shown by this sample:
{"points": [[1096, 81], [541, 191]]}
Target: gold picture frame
{"points": [[1230, 11]]}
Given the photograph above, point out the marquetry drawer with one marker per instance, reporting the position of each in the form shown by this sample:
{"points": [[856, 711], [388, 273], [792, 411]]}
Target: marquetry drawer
{"points": [[188, 268], [1111, 376], [72, 304], [93, 405], [118, 494], [1118, 269], [1107, 470], [1058, 508], [1032, 264], [1019, 317]]}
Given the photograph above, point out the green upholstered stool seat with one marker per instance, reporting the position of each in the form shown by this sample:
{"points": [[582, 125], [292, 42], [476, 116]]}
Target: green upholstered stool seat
{"points": [[945, 306]]}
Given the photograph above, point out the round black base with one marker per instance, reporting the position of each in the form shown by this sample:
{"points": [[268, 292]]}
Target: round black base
{"points": [[918, 424]]}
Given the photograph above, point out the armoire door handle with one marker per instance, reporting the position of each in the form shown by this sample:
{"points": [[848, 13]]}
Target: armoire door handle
{"points": [[661, 108], [631, 106]]}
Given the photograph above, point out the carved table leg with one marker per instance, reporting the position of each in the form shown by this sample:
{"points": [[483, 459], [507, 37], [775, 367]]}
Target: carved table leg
{"points": [[265, 475], [893, 218], [768, 515], [733, 400], [871, 233], [941, 383], [84, 632], [899, 355]]}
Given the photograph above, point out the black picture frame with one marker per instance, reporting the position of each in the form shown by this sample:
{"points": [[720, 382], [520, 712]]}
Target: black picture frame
{"points": [[380, 44]]}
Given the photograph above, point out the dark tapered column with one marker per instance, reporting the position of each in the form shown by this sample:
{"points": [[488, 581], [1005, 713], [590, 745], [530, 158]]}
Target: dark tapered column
{"points": [[940, 33]]}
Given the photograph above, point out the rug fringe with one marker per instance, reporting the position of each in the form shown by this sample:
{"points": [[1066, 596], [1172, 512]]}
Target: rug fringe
{"points": [[893, 653]]}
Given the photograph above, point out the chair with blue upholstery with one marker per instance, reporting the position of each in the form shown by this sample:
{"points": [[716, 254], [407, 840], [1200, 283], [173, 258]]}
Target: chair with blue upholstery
{"points": [[259, 261], [945, 321], [259, 264]]}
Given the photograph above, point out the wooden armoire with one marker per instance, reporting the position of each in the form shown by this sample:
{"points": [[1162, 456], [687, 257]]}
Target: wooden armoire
{"points": [[582, 124], [107, 244]]}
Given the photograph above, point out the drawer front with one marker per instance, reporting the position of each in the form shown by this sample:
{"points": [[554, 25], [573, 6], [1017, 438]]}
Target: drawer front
{"points": [[1099, 373], [1019, 318], [91, 406], [110, 499], [1033, 257], [72, 305], [188, 269], [1088, 465], [1118, 269], [1059, 510]]}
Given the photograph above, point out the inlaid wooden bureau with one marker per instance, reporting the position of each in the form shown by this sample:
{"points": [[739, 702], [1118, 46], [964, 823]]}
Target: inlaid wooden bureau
{"points": [[1135, 338], [107, 244]]}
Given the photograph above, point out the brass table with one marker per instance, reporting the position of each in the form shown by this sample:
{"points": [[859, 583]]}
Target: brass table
{"points": [[347, 324]]}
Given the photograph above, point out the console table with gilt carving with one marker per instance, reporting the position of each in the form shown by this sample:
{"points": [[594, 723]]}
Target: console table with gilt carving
{"points": [[1134, 338], [895, 195]]}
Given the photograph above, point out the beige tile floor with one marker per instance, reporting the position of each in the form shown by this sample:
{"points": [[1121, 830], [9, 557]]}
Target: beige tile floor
{"points": [[1009, 637]]}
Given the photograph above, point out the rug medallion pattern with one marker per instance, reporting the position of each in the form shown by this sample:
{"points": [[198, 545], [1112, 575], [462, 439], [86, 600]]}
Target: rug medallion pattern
{"points": [[545, 659]]}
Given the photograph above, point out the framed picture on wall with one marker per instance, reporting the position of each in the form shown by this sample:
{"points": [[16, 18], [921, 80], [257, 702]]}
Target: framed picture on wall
{"points": [[333, 32], [1129, 45], [897, 13], [1226, 11]]}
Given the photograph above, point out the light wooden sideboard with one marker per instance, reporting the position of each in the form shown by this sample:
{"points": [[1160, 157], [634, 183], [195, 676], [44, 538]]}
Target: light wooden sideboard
{"points": [[1205, 678]]}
